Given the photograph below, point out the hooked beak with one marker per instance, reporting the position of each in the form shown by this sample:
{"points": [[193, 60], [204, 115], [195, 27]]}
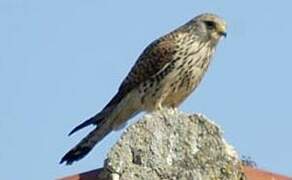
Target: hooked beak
{"points": [[222, 33], [222, 30]]}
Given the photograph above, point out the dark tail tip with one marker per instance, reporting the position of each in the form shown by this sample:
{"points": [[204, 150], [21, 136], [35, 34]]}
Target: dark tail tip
{"points": [[82, 125], [74, 130], [74, 155]]}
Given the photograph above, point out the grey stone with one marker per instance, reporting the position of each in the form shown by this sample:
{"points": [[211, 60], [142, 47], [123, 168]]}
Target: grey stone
{"points": [[171, 145]]}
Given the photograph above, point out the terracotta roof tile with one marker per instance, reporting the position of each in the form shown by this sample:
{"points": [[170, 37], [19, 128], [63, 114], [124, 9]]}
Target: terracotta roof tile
{"points": [[251, 173]]}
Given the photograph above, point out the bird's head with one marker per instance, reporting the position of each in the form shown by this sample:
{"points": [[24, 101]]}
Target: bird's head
{"points": [[208, 26]]}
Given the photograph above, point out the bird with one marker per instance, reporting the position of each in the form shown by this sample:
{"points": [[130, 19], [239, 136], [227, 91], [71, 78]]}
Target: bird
{"points": [[164, 75]]}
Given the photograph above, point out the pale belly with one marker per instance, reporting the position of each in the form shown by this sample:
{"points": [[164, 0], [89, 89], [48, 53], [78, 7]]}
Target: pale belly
{"points": [[182, 88], [173, 87], [172, 90]]}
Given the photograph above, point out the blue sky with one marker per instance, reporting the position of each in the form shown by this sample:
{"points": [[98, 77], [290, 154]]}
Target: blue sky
{"points": [[61, 61]]}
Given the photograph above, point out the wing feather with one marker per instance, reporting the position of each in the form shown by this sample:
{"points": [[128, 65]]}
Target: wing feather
{"points": [[154, 58]]}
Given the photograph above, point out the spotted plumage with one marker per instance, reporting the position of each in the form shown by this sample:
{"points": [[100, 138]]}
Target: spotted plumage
{"points": [[165, 74]]}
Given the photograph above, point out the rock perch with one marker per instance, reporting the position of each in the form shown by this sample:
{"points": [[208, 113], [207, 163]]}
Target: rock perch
{"points": [[171, 145]]}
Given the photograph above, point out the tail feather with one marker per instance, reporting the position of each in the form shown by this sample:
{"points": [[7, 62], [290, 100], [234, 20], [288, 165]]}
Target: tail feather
{"points": [[95, 120], [86, 144], [82, 125], [117, 112]]}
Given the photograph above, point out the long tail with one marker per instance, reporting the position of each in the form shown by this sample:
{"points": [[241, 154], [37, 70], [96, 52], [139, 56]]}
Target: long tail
{"points": [[86, 144], [114, 114], [95, 120], [101, 116]]}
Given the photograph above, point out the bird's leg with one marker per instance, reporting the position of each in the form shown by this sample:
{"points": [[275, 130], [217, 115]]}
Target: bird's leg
{"points": [[159, 107]]}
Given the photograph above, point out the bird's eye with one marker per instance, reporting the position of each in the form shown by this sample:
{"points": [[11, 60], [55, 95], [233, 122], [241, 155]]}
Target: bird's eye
{"points": [[210, 24]]}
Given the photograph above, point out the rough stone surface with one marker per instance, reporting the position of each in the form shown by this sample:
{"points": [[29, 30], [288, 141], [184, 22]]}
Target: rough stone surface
{"points": [[171, 145]]}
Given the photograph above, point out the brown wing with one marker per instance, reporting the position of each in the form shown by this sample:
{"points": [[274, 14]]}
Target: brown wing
{"points": [[153, 59]]}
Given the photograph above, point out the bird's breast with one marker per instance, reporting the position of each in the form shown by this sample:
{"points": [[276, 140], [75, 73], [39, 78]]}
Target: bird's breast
{"points": [[188, 72], [178, 78]]}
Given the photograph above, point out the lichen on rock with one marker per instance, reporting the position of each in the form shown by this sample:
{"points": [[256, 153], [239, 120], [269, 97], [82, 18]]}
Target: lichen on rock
{"points": [[171, 145]]}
